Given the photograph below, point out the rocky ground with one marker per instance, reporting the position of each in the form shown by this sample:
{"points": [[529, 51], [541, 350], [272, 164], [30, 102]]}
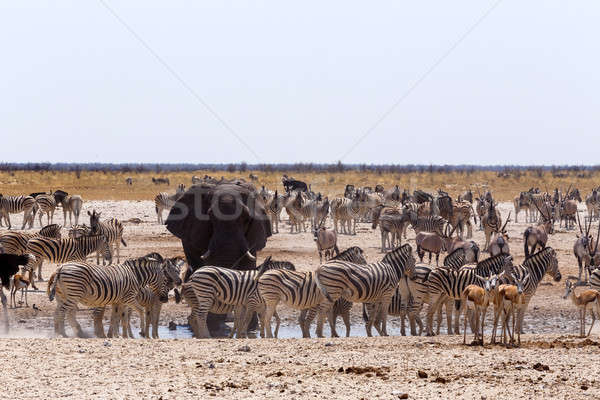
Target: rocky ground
{"points": [[357, 367]]}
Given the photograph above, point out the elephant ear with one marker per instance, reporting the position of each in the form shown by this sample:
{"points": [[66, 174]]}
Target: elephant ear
{"points": [[184, 217]]}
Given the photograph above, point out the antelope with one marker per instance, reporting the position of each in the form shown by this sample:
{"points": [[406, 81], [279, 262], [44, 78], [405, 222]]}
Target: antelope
{"points": [[585, 250], [18, 282], [582, 301], [506, 299], [499, 242], [480, 298], [433, 244]]}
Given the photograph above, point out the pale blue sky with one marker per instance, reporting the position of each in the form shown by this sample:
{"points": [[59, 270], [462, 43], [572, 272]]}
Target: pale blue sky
{"points": [[301, 81]]}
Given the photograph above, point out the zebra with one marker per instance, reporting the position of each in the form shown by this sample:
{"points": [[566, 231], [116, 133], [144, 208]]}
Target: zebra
{"points": [[592, 203], [16, 242], [227, 286], [17, 204], [96, 286], [112, 230], [371, 283], [273, 206], [522, 203], [164, 201], [298, 290], [402, 304], [536, 266], [148, 299], [60, 251], [345, 212], [47, 205], [299, 209], [392, 222], [129, 181], [492, 222], [426, 224]]}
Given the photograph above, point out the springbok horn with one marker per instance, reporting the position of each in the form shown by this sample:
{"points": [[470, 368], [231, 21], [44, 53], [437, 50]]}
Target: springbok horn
{"points": [[250, 256], [506, 222], [579, 223]]}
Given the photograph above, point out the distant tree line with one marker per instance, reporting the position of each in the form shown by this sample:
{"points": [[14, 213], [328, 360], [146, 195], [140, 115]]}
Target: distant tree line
{"points": [[502, 170]]}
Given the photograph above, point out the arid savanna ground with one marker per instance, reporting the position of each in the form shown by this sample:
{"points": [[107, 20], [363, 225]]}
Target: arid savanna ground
{"points": [[552, 363]]}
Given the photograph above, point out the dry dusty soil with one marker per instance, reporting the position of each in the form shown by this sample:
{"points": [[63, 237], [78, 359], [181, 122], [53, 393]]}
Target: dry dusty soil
{"points": [[552, 362]]}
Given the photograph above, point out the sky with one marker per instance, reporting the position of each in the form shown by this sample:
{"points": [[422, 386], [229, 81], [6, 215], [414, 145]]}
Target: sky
{"points": [[403, 82]]}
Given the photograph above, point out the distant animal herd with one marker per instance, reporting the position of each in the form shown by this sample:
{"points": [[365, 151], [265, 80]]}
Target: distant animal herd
{"points": [[395, 285]]}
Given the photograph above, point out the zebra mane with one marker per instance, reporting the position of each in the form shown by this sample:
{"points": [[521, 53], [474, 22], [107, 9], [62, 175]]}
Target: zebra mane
{"points": [[492, 259], [392, 255], [349, 253], [545, 249], [268, 265]]}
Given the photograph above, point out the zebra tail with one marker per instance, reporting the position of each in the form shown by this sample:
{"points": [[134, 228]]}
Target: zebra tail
{"points": [[365, 316], [123, 241], [51, 289], [526, 238], [321, 288], [457, 305]]}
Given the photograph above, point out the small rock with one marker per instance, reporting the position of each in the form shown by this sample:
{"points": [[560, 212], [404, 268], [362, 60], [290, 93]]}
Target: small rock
{"points": [[584, 387], [401, 395], [211, 365], [440, 379], [107, 344], [81, 351], [422, 374], [172, 326], [328, 344], [245, 348], [540, 367], [22, 321]]}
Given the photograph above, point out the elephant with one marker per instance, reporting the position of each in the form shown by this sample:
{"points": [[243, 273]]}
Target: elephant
{"points": [[220, 224]]}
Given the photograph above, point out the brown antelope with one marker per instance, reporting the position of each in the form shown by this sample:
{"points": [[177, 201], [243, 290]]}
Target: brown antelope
{"points": [[506, 298], [585, 249], [433, 244], [19, 282], [480, 299], [582, 301], [499, 242]]}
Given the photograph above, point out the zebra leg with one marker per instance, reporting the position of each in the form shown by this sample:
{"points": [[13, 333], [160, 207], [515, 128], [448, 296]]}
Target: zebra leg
{"points": [[97, 315], [59, 317], [346, 318], [71, 317], [456, 310], [383, 313], [278, 322], [433, 306], [269, 311], [332, 319], [39, 273]]}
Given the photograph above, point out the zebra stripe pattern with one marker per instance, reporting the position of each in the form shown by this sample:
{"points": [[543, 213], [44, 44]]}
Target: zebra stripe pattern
{"points": [[371, 283], [112, 230], [164, 201], [212, 284], [59, 251], [17, 204], [298, 290], [16, 242], [46, 205], [431, 223], [345, 212], [96, 286]]}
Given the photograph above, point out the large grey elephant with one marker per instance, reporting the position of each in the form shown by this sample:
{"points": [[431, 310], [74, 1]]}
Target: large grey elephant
{"points": [[222, 224]]}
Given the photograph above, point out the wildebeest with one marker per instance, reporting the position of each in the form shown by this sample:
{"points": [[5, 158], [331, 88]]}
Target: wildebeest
{"points": [[291, 184], [161, 181]]}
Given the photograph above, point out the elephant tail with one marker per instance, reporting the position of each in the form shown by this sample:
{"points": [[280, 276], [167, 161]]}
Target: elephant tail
{"points": [[321, 288]]}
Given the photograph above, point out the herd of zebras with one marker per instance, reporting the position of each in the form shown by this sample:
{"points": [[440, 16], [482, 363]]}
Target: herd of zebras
{"points": [[396, 285]]}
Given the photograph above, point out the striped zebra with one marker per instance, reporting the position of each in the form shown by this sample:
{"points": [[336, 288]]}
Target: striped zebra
{"points": [[492, 222], [392, 222], [402, 304], [371, 283], [60, 251], [274, 204], [595, 278], [17, 204], [298, 290], [445, 285], [165, 201], [96, 286], [536, 266], [346, 212], [522, 203], [429, 223], [342, 306], [537, 201], [112, 230], [227, 286], [299, 209], [16, 242], [46, 204]]}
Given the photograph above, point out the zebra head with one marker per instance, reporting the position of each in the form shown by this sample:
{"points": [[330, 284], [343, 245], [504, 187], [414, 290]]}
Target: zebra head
{"points": [[94, 221], [168, 279]]}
